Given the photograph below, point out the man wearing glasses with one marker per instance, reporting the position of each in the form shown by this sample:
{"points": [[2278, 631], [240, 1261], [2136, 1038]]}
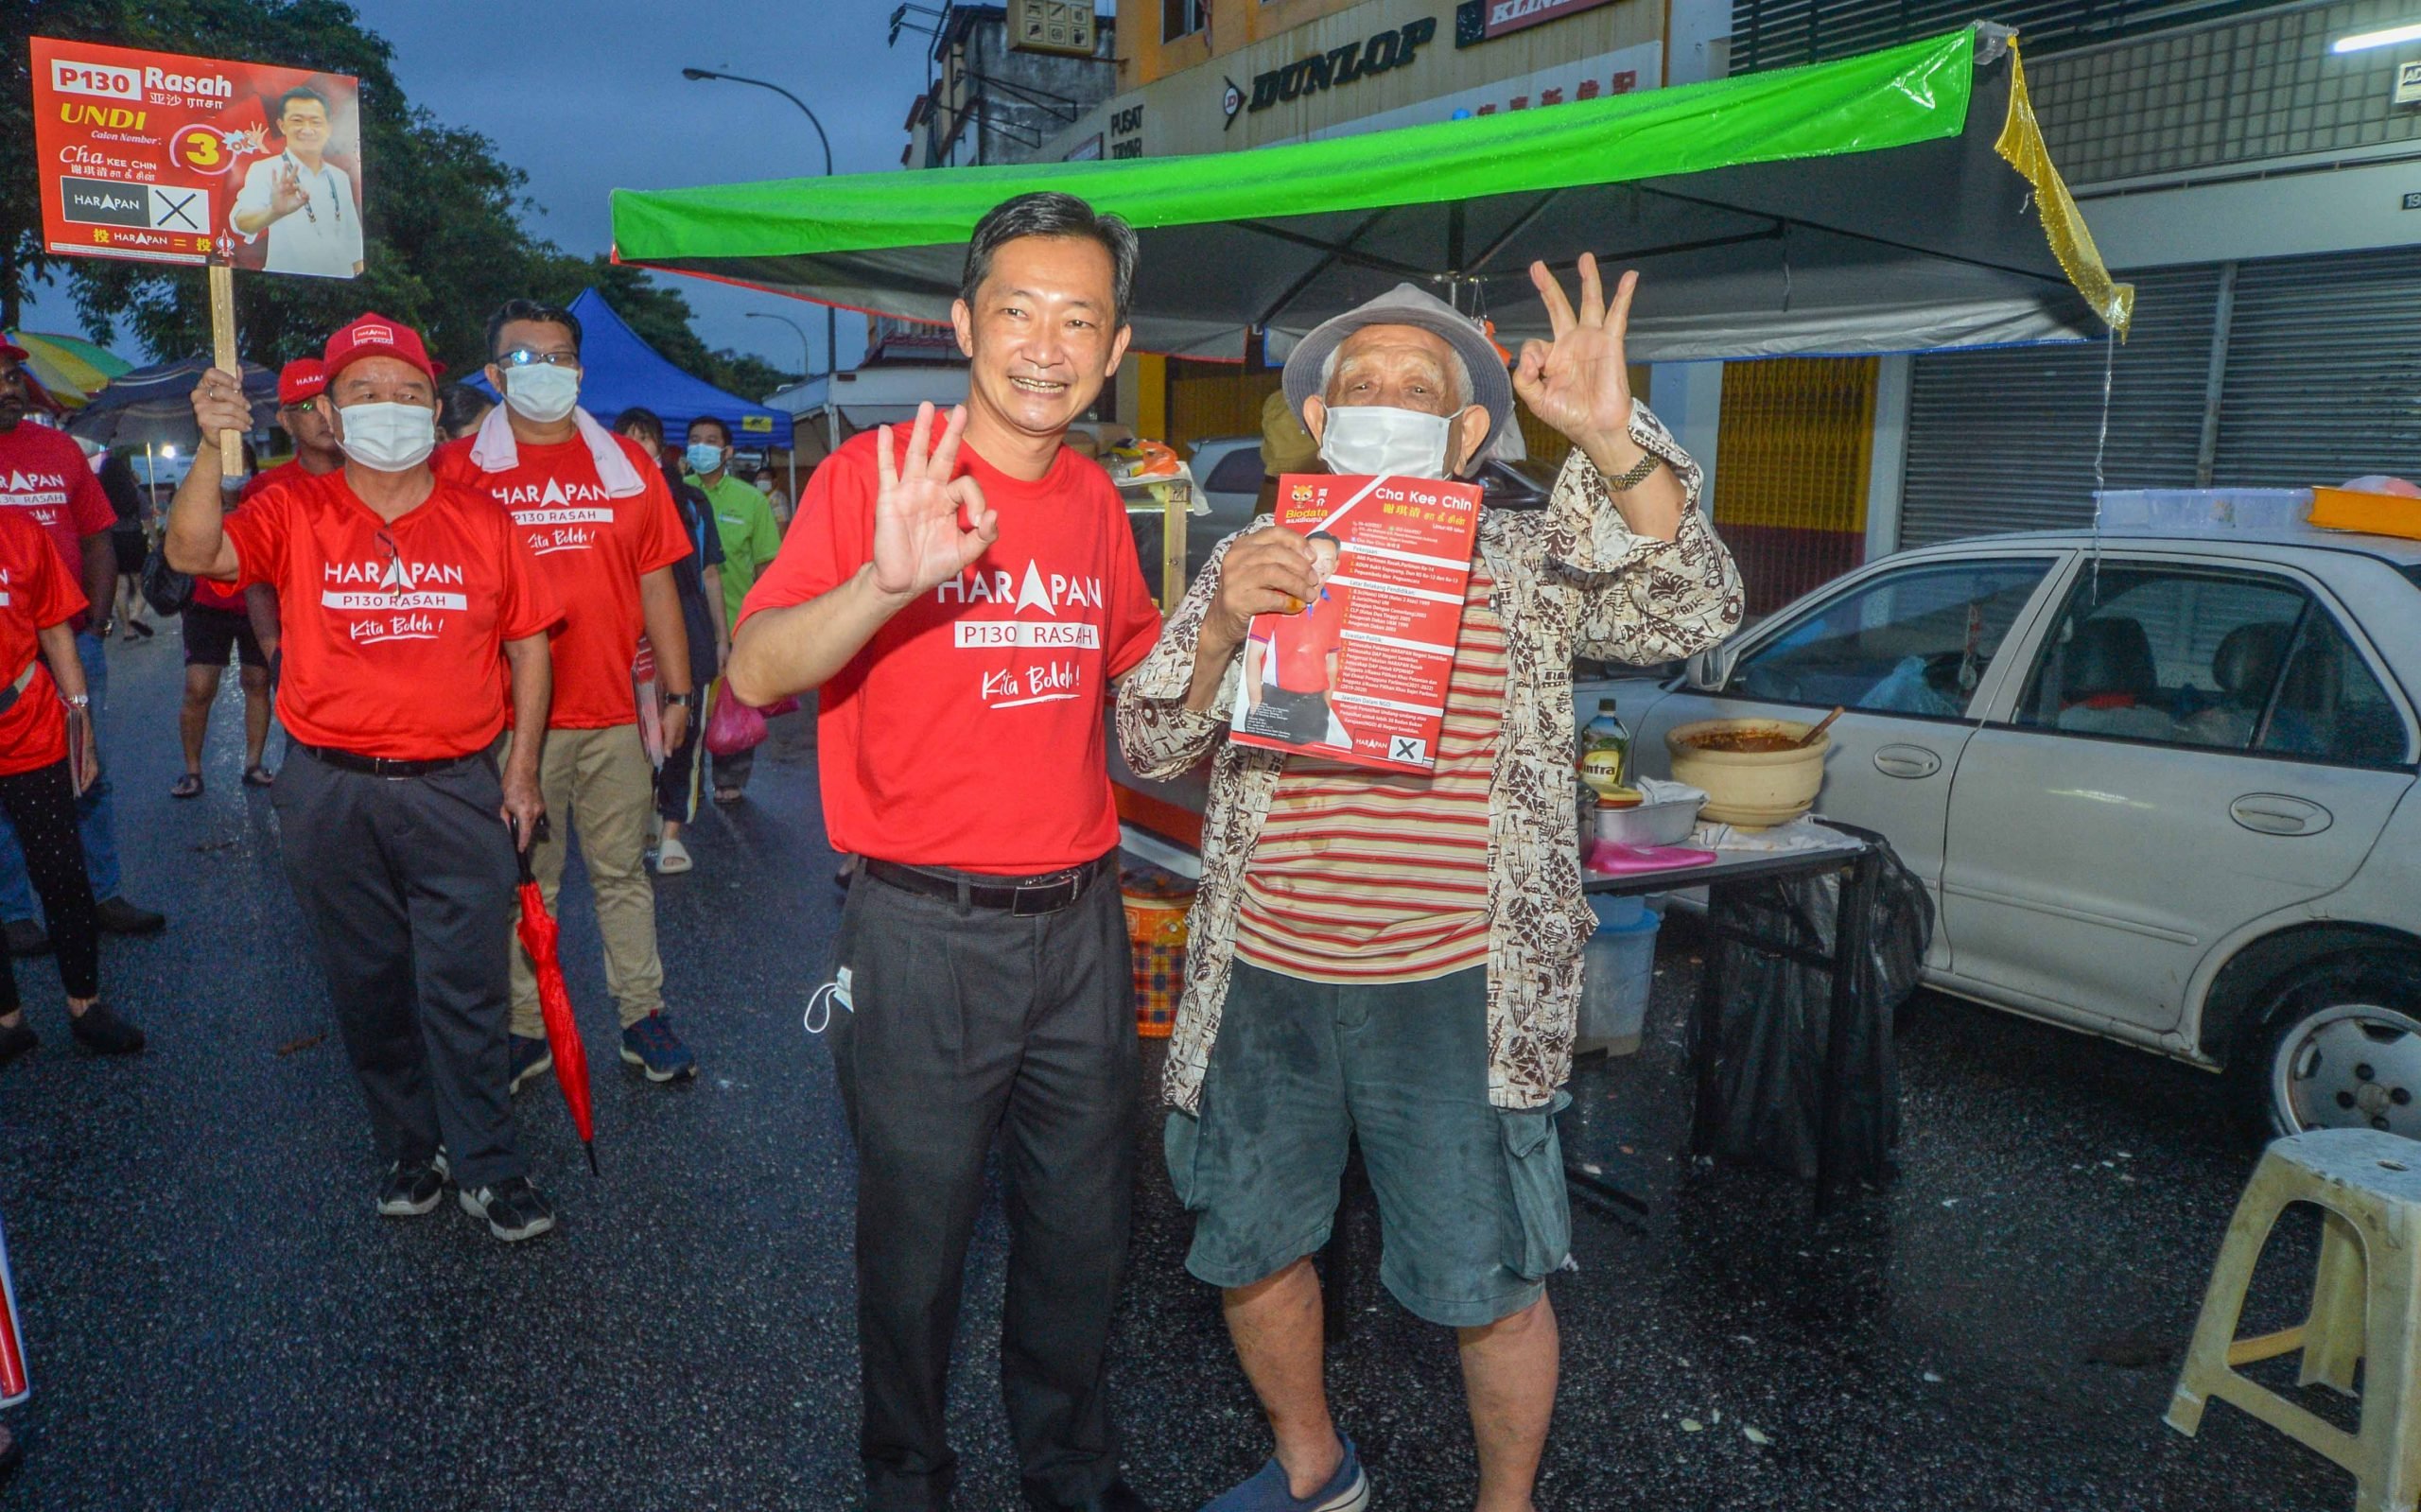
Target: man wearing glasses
{"points": [[403, 595], [598, 518]]}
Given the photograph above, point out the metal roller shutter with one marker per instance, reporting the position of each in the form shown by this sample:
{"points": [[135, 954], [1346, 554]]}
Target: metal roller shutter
{"points": [[2004, 440], [2324, 379]]}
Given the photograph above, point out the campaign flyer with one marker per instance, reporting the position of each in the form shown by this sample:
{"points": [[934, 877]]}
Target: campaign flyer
{"points": [[162, 158], [1360, 673]]}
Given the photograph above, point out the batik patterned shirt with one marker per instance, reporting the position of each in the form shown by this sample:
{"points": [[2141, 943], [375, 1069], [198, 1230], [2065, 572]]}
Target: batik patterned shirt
{"points": [[1572, 581]]}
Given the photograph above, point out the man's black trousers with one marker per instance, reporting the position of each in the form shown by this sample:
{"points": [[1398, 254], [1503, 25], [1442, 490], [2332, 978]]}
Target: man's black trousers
{"points": [[969, 1024], [408, 885]]}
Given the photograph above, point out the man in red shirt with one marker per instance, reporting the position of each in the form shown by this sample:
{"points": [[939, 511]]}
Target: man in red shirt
{"points": [[1292, 705], [408, 604], [962, 606], [44, 474], [597, 516], [316, 451]]}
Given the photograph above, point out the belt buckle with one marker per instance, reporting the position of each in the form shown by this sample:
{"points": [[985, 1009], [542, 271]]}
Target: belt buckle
{"points": [[1063, 891]]}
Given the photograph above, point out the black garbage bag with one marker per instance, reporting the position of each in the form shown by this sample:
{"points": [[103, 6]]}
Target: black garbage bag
{"points": [[1774, 1023]]}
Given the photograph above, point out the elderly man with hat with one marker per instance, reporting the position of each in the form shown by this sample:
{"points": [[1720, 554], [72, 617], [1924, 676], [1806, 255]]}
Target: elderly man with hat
{"points": [[1397, 959], [411, 607]]}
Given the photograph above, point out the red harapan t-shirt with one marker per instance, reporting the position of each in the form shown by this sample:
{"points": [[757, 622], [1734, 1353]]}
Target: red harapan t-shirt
{"points": [[35, 593], [393, 632], [212, 595], [591, 550], [45, 476], [968, 733]]}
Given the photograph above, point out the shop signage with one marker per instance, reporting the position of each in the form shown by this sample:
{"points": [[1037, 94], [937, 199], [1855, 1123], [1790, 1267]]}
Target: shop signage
{"points": [[1064, 27], [1479, 21], [2408, 83], [1126, 131], [1342, 65]]}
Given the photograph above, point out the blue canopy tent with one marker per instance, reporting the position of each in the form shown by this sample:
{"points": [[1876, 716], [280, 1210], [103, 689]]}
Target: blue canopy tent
{"points": [[619, 371]]}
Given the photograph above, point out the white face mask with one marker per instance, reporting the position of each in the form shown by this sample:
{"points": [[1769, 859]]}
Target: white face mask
{"points": [[540, 392], [1377, 439], [388, 438]]}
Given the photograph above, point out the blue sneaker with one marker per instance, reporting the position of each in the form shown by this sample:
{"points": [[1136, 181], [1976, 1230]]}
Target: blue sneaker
{"points": [[527, 1058], [1348, 1491], [651, 1046]]}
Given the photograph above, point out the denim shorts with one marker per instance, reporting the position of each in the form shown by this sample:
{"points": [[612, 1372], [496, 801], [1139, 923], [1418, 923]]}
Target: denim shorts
{"points": [[1473, 1211]]}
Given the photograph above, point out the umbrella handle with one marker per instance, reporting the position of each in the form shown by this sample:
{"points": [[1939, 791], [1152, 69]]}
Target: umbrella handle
{"points": [[520, 852]]}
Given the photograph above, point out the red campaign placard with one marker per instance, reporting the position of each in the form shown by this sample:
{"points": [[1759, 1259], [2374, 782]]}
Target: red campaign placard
{"points": [[1360, 674], [167, 159]]}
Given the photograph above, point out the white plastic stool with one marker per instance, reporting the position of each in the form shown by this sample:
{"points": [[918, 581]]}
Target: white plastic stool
{"points": [[2365, 1305]]}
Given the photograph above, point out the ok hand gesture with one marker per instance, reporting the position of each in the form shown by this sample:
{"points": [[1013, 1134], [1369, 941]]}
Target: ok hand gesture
{"points": [[1580, 383], [917, 542], [285, 194]]}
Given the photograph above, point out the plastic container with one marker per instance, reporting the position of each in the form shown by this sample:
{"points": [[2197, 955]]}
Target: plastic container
{"points": [[1155, 905], [1618, 969], [1754, 789]]}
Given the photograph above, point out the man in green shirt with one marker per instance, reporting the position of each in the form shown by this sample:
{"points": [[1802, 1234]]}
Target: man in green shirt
{"points": [[746, 522]]}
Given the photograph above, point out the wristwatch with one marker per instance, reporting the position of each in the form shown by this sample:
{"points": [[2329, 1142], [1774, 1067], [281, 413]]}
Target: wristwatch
{"points": [[80, 701], [683, 700]]}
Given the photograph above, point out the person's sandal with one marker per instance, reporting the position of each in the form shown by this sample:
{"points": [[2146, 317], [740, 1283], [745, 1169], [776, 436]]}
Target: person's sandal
{"points": [[257, 776], [189, 786], [726, 797]]}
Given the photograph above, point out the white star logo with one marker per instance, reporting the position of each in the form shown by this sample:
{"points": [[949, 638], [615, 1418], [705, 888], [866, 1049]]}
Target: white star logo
{"points": [[1033, 591]]}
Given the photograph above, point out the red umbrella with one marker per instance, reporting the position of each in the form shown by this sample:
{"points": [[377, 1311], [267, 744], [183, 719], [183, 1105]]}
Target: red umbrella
{"points": [[539, 933]]}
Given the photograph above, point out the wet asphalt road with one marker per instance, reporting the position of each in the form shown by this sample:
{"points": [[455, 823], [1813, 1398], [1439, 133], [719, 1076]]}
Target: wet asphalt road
{"points": [[216, 1320]]}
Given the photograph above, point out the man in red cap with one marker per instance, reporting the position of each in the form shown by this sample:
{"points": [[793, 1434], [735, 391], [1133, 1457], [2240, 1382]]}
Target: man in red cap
{"points": [[306, 423], [402, 595]]}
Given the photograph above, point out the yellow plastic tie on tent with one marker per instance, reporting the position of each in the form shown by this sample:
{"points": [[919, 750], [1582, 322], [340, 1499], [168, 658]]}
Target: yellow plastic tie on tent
{"points": [[2021, 143]]}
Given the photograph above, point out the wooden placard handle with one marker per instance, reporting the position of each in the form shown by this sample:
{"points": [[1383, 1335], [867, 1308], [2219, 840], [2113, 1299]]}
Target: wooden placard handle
{"points": [[222, 354]]}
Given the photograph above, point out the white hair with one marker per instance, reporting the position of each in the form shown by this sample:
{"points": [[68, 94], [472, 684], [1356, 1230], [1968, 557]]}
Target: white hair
{"points": [[1458, 373]]}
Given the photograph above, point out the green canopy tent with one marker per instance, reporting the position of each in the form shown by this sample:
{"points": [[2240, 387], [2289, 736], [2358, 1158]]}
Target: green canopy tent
{"points": [[1897, 201]]}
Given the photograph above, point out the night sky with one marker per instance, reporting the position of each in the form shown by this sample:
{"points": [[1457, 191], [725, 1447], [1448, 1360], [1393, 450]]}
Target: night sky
{"points": [[587, 95]]}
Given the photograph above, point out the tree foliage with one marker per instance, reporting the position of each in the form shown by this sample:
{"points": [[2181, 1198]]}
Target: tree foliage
{"points": [[444, 239]]}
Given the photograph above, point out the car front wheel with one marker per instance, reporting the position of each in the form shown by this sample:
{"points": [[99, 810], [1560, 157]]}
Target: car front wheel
{"points": [[2339, 1048]]}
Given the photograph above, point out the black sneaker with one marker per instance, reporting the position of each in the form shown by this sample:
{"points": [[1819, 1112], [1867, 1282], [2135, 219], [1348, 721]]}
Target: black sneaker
{"points": [[99, 1030], [15, 1042], [412, 1188], [115, 916], [25, 937], [514, 1209]]}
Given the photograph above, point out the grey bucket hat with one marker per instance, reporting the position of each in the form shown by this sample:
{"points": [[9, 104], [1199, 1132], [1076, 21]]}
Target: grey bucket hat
{"points": [[1408, 304]]}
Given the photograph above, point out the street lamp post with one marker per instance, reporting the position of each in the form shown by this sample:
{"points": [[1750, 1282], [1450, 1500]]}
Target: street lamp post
{"points": [[831, 318], [805, 372]]}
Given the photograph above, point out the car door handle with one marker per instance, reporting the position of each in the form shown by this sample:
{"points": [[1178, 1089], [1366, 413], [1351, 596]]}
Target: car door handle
{"points": [[2274, 814], [1906, 761]]}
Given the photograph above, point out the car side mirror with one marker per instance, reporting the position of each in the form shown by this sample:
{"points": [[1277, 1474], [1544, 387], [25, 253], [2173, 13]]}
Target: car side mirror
{"points": [[1707, 671]]}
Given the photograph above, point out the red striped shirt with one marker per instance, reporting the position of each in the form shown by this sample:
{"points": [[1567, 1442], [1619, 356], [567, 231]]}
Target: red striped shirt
{"points": [[1364, 876]]}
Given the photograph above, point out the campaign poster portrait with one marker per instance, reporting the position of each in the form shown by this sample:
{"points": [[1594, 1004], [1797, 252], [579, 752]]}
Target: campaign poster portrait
{"points": [[162, 158]]}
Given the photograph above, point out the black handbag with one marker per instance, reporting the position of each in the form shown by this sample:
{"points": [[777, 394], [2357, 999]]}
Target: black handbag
{"points": [[166, 589]]}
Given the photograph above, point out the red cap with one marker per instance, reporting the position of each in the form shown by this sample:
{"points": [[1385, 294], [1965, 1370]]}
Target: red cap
{"points": [[300, 379], [12, 350], [374, 336]]}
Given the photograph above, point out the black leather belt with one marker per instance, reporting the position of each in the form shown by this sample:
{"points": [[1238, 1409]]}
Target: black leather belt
{"points": [[1019, 896], [385, 766]]}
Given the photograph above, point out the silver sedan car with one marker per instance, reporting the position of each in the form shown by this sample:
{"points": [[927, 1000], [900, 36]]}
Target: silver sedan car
{"points": [[2160, 786]]}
